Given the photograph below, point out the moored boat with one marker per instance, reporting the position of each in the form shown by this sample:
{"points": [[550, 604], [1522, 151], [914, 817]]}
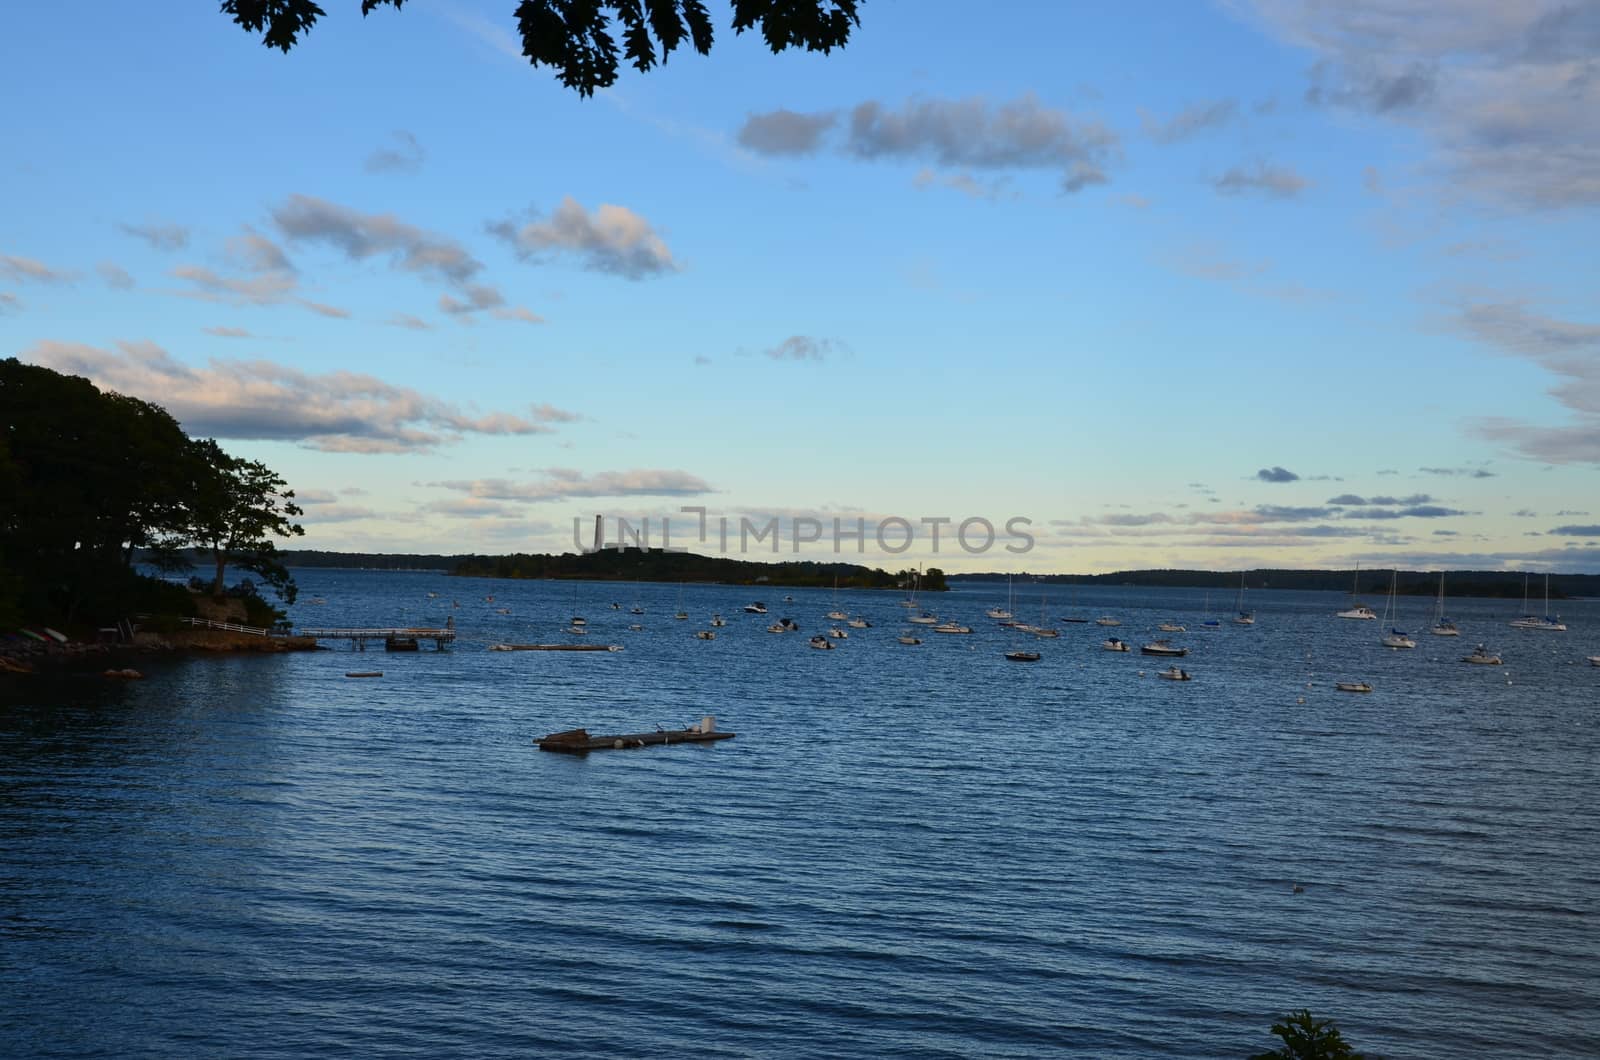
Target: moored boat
{"points": [[1165, 648], [1174, 673], [1482, 656], [1023, 656], [1353, 686], [1113, 644]]}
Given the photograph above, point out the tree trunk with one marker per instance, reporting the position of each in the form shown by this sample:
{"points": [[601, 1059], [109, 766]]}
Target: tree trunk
{"points": [[221, 555]]}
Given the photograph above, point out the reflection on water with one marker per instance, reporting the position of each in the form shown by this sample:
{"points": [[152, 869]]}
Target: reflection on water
{"points": [[906, 851]]}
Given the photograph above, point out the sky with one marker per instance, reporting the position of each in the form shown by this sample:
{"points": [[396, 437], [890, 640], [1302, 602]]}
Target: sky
{"points": [[1215, 285]]}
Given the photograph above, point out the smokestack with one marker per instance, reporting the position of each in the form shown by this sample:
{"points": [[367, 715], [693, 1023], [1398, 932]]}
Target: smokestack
{"points": [[599, 531]]}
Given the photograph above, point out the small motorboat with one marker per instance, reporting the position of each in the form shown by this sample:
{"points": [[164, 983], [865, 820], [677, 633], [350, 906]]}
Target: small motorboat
{"points": [[1023, 656], [1174, 673], [681, 616], [836, 615], [1353, 686], [1107, 620], [836, 633], [757, 608], [635, 610], [788, 599], [1594, 660], [951, 627], [907, 638], [704, 634], [616, 606], [576, 621], [998, 612], [502, 610], [925, 619], [821, 643], [1161, 647], [1482, 656], [576, 630], [859, 623], [1113, 644], [1360, 611], [635, 628], [1172, 627], [783, 625], [1397, 638], [718, 621], [1445, 628]]}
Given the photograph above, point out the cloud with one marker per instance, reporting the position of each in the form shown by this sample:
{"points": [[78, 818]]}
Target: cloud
{"points": [[961, 134], [406, 320], [403, 155], [803, 348], [1277, 474], [211, 286], [31, 270], [1577, 531], [159, 236], [9, 303], [1418, 511], [1505, 94], [115, 276], [965, 183], [1468, 472], [254, 252], [338, 513], [1277, 182], [612, 240], [785, 132], [701, 360], [520, 313], [1190, 121], [334, 411], [325, 310], [561, 484], [1571, 352], [228, 333]]}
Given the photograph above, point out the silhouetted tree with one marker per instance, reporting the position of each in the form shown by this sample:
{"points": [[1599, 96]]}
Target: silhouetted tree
{"points": [[1305, 1038], [575, 36], [235, 510]]}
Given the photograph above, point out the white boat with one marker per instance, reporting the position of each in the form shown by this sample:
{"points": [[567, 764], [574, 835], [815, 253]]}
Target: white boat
{"points": [[1162, 647], [1243, 618], [822, 643], [1174, 673], [681, 616], [836, 615], [1482, 656], [757, 608], [576, 621], [783, 625], [1171, 627], [1548, 623], [576, 630], [1594, 660], [1002, 612], [911, 596], [951, 627], [1395, 638], [907, 638], [1444, 626], [718, 621], [1357, 609], [1113, 644], [925, 619], [1353, 686], [1107, 620], [836, 633], [705, 634], [859, 623], [1041, 630]]}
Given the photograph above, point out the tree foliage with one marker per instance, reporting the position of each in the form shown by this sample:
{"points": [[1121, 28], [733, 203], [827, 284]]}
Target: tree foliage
{"points": [[578, 38], [89, 478], [1305, 1038]]}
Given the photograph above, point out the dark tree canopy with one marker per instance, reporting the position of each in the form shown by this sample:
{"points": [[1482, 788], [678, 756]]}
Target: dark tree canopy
{"points": [[576, 36]]}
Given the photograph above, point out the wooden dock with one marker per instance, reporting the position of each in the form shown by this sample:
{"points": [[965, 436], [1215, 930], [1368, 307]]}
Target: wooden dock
{"points": [[579, 742], [393, 639]]}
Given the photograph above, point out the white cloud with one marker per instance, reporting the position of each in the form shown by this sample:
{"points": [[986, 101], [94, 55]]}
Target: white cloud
{"points": [[333, 411], [613, 239]]}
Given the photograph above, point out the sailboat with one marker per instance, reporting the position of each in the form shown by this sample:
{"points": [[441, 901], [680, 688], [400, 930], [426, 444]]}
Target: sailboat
{"points": [[1041, 630], [911, 596], [1530, 621], [1442, 626], [1002, 612], [681, 614], [1208, 622], [1074, 617], [1357, 609], [1243, 618], [1395, 638], [836, 614]]}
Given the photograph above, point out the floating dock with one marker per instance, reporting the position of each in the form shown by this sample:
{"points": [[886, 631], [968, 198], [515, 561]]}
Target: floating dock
{"points": [[580, 742], [393, 639], [555, 647]]}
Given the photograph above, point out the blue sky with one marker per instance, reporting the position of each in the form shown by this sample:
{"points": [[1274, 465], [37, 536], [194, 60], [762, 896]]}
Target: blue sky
{"points": [[1105, 267]]}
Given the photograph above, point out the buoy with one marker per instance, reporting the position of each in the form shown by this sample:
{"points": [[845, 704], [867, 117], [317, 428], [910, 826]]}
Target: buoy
{"points": [[1301, 700]]}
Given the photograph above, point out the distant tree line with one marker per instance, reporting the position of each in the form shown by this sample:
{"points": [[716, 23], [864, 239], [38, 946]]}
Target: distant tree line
{"points": [[1496, 584], [656, 565], [92, 481]]}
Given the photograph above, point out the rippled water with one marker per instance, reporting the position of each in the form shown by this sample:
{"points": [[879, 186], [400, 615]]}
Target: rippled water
{"points": [[907, 851]]}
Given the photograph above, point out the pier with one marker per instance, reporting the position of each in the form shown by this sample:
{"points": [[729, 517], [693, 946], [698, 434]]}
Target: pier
{"points": [[393, 639]]}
